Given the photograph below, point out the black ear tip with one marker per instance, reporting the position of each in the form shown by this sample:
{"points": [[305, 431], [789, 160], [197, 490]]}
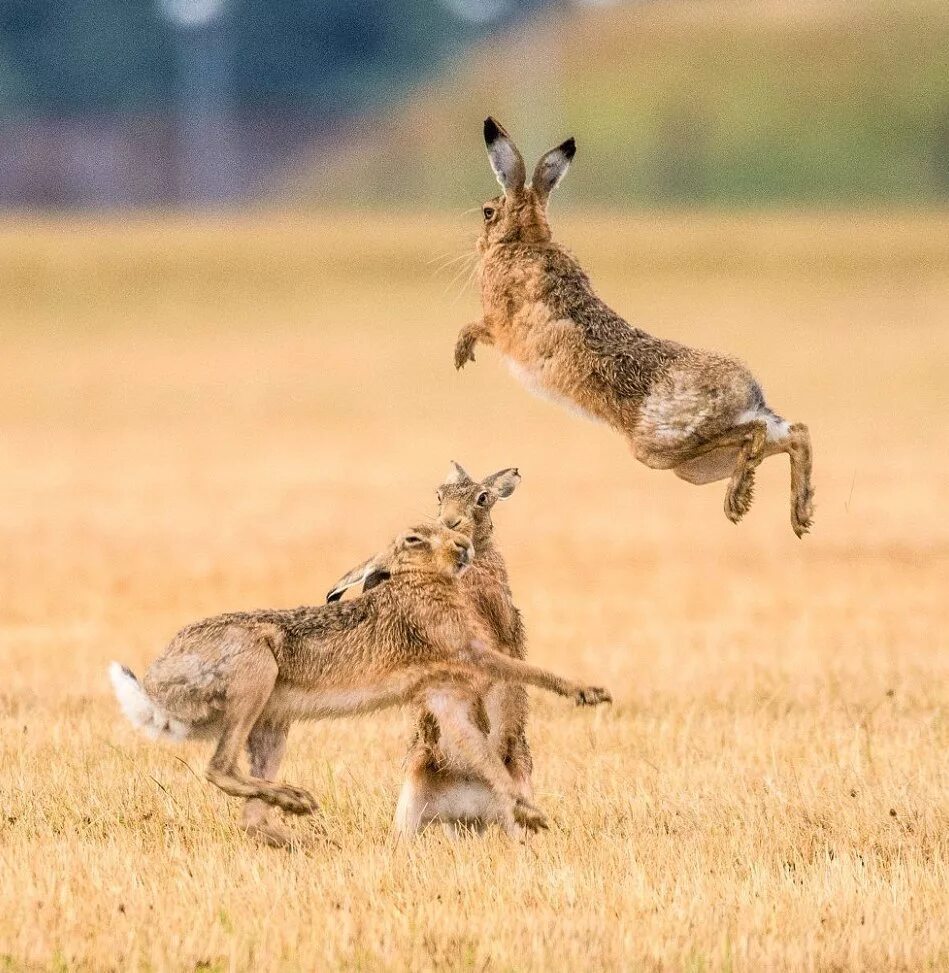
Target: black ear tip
{"points": [[334, 595], [492, 131], [569, 148]]}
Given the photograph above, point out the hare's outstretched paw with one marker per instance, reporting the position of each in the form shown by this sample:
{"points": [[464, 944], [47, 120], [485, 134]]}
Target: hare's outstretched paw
{"points": [[592, 696], [293, 800]]}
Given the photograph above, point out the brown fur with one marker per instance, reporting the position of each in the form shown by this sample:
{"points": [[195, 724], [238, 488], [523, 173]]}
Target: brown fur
{"points": [[700, 414], [433, 790], [245, 677]]}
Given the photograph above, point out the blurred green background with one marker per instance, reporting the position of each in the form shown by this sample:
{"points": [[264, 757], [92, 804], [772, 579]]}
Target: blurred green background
{"points": [[721, 103], [698, 103]]}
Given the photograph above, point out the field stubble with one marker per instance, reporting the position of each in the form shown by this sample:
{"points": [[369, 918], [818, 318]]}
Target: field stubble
{"points": [[228, 415]]}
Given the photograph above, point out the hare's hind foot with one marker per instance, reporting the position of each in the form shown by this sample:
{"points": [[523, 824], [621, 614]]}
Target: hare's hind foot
{"points": [[529, 816], [802, 511], [257, 823], [802, 493], [741, 487], [268, 833], [738, 497]]}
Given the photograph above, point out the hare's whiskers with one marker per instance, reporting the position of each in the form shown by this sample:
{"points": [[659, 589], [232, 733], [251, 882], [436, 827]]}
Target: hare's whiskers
{"points": [[457, 277], [448, 263], [468, 280], [440, 256]]}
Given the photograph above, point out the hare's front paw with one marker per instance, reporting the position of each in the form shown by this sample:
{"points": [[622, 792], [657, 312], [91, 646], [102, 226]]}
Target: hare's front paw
{"points": [[464, 351], [293, 800], [592, 696]]}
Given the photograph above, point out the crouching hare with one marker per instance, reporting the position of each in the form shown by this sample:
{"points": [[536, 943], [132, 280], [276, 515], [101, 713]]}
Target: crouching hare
{"points": [[245, 677], [436, 787], [700, 414]]}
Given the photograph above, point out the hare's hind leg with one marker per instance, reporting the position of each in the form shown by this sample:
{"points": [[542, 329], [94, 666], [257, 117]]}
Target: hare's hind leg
{"points": [[434, 792], [507, 708], [266, 746], [520, 765], [741, 486], [802, 493], [247, 693], [737, 450], [797, 444], [461, 718]]}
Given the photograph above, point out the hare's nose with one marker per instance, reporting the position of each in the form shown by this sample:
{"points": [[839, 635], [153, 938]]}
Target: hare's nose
{"points": [[453, 524]]}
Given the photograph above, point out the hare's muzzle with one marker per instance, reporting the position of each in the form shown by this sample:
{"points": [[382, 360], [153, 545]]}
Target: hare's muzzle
{"points": [[464, 552]]}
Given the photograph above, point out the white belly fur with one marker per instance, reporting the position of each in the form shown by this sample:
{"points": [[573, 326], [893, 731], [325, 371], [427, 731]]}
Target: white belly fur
{"points": [[778, 428], [533, 381], [320, 704]]}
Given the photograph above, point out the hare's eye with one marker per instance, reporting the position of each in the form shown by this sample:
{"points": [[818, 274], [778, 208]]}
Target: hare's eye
{"points": [[488, 212], [482, 499], [413, 539]]}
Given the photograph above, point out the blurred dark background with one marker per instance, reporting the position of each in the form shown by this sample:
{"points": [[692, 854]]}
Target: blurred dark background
{"points": [[675, 102]]}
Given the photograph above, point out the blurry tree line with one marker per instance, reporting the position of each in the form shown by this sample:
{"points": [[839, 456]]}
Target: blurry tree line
{"points": [[149, 101], [731, 103], [674, 102], [75, 57]]}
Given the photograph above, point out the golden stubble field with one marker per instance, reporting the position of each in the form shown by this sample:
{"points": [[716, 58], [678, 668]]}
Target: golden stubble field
{"points": [[227, 415]]}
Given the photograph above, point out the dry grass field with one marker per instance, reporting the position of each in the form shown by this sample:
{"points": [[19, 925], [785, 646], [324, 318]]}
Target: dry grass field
{"points": [[196, 418]]}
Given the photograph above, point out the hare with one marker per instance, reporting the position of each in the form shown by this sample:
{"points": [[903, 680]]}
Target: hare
{"points": [[244, 677], [700, 414], [434, 788]]}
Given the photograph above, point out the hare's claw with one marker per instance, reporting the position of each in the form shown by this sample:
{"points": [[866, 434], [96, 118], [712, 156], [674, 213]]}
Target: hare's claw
{"points": [[802, 512], [294, 800], [464, 351], [592, 696], [530, 817]]}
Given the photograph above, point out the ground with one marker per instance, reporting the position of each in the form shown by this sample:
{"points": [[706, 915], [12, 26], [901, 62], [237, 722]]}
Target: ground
{"points": [[230, 414]]}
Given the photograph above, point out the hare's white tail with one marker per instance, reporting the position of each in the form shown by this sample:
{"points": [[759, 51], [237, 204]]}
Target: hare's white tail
{"points": [[140, 709]]}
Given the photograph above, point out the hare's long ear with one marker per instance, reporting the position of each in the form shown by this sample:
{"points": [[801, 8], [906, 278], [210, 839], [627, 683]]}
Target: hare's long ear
{"points": [[506, 161], [552, 168], [503, 483], [456, 475], [368, 574]]}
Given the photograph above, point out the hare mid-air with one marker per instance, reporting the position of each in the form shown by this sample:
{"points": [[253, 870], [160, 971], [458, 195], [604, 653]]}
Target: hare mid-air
{"points": [[244, 677], [700, 414], [436, 788]]}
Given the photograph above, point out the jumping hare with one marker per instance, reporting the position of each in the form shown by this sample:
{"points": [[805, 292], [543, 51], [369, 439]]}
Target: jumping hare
{"points": [[244, 677], [699, 414], [434, 788]]}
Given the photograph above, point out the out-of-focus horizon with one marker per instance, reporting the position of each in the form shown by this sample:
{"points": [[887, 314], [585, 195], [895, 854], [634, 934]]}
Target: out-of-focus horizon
{"points": [[674, 102]]}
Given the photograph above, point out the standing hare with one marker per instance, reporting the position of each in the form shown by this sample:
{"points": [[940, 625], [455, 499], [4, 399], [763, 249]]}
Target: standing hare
{"points": [[435, 787], [244, 677], [699, 414]]}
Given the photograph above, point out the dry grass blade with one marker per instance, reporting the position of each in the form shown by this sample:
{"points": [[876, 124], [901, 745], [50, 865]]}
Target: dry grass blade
{"points": [[768, 791]]}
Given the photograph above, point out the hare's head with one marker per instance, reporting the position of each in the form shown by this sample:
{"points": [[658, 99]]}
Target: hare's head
{"points": [[425, 549], [519, 214], [464, 504], [430, 549], [464, 511]]}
